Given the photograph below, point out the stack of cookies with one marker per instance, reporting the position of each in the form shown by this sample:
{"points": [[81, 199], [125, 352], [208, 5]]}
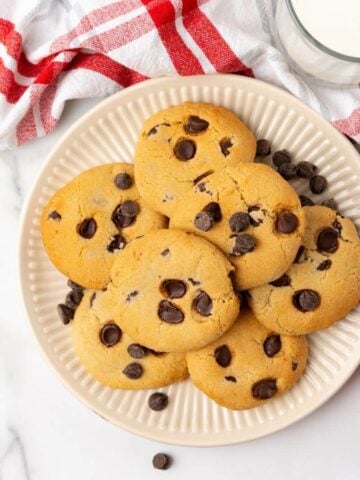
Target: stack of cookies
{"points": [[198, 260]]}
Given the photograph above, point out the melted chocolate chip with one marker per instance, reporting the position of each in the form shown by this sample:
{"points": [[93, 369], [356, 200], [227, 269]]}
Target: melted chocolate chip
{"points": [[65, 313], [330, 203], [287, 171], [74, 286], [264, 389], [306, 169], [54, 215], [324, 265], [272, 345], [169, 313], [202, 176], [214, 210], [306, 300], [133, 371], [158, 401], [286, 222], [87, 228], [263, 147], [173, 288], [161, 461], [239, 222], [123, 181], [283, 281], [136, 350], [203, 304], [74, 298], [225, 144], [294, 366], [185, 150], [230, 378], [117, 242], [203, 221], [327, 240], [223, 356], [280, 157], [244, 243], [306, 201], [318, 184], [298, 254], [196, 124], [110, 334]]}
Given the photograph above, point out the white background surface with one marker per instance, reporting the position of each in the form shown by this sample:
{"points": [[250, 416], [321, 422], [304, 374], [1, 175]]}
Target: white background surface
{"points": [[46, 434]]}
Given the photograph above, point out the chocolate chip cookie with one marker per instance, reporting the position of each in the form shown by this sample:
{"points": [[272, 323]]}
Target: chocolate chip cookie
{"points": [[249, 365], [171, 291], [322, 285], [93, 218], [112, 357], [180, 145], [252, 214]]}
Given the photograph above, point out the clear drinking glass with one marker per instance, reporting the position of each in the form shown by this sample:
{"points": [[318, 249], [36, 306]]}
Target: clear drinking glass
{"points": [[307, 55]]}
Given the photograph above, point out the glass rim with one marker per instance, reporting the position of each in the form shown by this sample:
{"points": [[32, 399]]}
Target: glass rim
{"points": [[316, 42]]}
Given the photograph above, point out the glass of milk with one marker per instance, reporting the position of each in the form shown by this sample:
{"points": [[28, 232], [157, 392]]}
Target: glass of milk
{"points": [[321, 38]]}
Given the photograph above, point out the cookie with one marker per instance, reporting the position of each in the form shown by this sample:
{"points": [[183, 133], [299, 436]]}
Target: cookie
{"points": [[93, 218], [323, 284], [248, 365], [180, 145], [112, 357], [252, 214], [171, 291]]}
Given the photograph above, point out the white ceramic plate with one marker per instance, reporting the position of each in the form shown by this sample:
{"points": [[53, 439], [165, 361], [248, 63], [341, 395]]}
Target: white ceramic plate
{"points": [[107, 134]]}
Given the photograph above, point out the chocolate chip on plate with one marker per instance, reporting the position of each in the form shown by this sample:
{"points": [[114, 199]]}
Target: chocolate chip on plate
{"points": [[263, 147], [196, 124], [73, 298], [203, 221], [185, 150], [74, 286], [286, 222], [283, 281], [324, 265], [280, 157], [272, 345], [203, 304], [169, 313], [287, 170], [306, 201], [87, 228], [123, 181], [306, 169], [223, 356], [110, 334], [66, 313], [264, 389], [161, 461], [158, 401], [117, 242], [327, 240], [133, 371], [173, 288], [239, 222], [54, 215], [244, 243], [135, 350], [318, 184], [330, 203], [225, 144], [306, 300], [214, 210]]}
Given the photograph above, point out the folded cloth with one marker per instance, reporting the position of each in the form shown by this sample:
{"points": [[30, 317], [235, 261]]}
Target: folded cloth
{"points": [[55, 50]]}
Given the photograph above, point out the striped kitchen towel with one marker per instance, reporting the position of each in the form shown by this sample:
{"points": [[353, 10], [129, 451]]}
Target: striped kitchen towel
{"points": [[55, 50]]}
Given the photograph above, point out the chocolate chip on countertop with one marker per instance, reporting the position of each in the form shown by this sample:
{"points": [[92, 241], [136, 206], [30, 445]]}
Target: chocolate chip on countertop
{"points": [[306, 201], [123, 181], [158, 401], [318, 184], [185, 150], [225, 144], [133, 371], [87, 228], [239, 222], [327, 240], [203, 221], [161, 461], [196, 124], [110, 334], [135, 350], [286, 222], [223, 356], [263, 147], [283, 281], [173, 288], [54, 215], [272, 345], [66, 313], [306, 169], [287, 171], [264, 389], [306, 300], [203, 304], [169, 313], [280, 157]]}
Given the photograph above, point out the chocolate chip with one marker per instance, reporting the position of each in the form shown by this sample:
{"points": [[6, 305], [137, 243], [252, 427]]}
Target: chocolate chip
{"points": [[87, 228], [136, 350], [154, 352], [294, 366], [287, 171], [223, 356], [318, 183], [66, 313], [196, 124], [330, 203], [117, 242], [185, 150], [263, 147], [306, 300], [169, 313], [161, 461], [264, 389], [272, 345], [230, 378], [286, 222], [92, 298], [203, 221], [306, 201], [306, 169], [337, 225], [110, 334], [131, 295], [74, 298], [280, 157], [125, 213], [133, 371], [283, 281], [158, 401], [194, 282], [202, 176], [54, 215], [203, 304], [253, 221], [239, 222], [327, 240], [165, 252], [173, 288], [123, 181], [298, 254], [74, 285], [244, 243], [214, 210], [225, 144], [201, 187], [324, 265], [129, 208], [152, 131]]}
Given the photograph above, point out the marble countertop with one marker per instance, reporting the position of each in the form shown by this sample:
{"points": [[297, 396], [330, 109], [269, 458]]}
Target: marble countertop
{"points": [[47, 434]]}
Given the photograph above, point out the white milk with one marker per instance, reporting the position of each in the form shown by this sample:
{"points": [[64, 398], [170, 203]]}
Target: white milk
{"points": [[333, 23]]}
